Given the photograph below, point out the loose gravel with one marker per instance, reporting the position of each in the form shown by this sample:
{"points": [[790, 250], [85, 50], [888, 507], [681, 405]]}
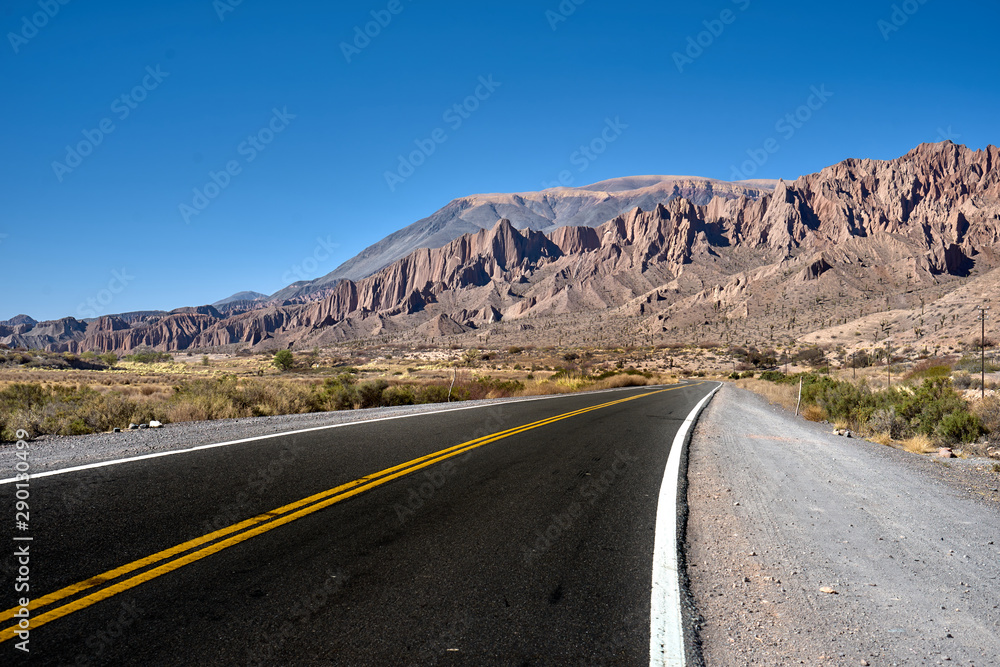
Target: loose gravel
{"points": [[804, 547]]}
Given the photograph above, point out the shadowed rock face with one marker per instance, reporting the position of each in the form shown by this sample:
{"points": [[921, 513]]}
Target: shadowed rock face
{"points": [[920, 221]]}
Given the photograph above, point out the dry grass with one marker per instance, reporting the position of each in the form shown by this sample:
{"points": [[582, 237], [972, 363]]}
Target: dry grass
{"points": [[814, 413], [780, 394], [920, 444], [616, 381], [882, 439]]}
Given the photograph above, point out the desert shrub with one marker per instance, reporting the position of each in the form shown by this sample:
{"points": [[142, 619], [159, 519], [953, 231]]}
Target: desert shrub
{"points": [[402, 394], [812, 356], [734, 376], [961, 380], [922, 371], [370, 393], [109, 359], [927, 405], [988, 412], [342, 398], [973, 364], [772, 376], [746, 375], [514, 349], [148, 356], [433, 393], [284, 360], [887, 421], [960, 426], [497, 387]]}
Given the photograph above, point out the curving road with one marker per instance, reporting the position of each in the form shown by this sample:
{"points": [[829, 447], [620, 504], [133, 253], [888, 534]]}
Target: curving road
{"points": [[517, 533]]}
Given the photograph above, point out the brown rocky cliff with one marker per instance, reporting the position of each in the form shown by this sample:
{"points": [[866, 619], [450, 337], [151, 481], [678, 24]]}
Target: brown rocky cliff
{"points": [[934, 210]]}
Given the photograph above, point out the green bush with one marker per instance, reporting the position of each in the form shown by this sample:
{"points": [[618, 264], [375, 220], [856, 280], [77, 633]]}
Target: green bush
{"points": [[433, 393], [974, 364], [399, 395], [498, 386], [284, 360], [960, 426], [772, 376], [370, 393], [148, 356], [930, 372]]}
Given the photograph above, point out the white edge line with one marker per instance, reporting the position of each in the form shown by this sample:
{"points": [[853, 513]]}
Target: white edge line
{"points": [[666, 626], [172, 452]]}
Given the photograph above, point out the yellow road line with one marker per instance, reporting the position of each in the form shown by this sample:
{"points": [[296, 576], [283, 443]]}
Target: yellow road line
{"points": [[268, 516], [260, 524]]}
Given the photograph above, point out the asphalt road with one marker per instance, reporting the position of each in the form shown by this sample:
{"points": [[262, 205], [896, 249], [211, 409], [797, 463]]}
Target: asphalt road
{"points": [[533, 549]]}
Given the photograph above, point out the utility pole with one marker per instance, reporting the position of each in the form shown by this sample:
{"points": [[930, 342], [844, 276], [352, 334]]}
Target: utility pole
{"points": [[982, 349], [888, 364], [886, 326]]}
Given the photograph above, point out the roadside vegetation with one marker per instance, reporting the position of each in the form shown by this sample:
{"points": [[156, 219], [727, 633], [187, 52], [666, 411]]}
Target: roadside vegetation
{"points": [[49, 395], [920, 412]]}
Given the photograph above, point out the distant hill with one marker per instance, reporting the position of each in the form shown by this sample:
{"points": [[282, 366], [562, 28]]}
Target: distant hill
{"points": [[242, 296], [544, 211], [19, 319]]}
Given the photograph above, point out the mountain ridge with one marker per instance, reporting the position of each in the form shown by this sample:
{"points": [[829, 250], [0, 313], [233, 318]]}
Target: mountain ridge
{"points": [[587, 205], [858, 243]]}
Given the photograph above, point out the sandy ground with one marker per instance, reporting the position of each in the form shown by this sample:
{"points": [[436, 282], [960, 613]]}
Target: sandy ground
{"points": [[781, 511]]}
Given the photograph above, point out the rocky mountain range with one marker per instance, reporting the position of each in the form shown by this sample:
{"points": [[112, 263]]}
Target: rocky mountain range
{"points": [[587, 206], [865, 248]]}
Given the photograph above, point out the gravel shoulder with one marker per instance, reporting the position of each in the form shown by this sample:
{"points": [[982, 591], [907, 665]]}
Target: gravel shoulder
{"points": [[781, 510]]}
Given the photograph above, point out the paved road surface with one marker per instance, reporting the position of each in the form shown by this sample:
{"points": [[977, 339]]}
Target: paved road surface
{"points": [[532, 549]]}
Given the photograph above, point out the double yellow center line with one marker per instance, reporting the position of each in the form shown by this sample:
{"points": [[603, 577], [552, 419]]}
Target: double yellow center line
{"points": [[194, 550]]}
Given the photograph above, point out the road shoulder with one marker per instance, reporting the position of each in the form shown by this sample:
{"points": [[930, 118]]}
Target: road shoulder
{"points": [[780, 510]]}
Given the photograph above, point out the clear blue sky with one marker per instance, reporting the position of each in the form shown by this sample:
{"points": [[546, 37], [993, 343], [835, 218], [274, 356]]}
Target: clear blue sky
{"points": [[197, 86]]}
